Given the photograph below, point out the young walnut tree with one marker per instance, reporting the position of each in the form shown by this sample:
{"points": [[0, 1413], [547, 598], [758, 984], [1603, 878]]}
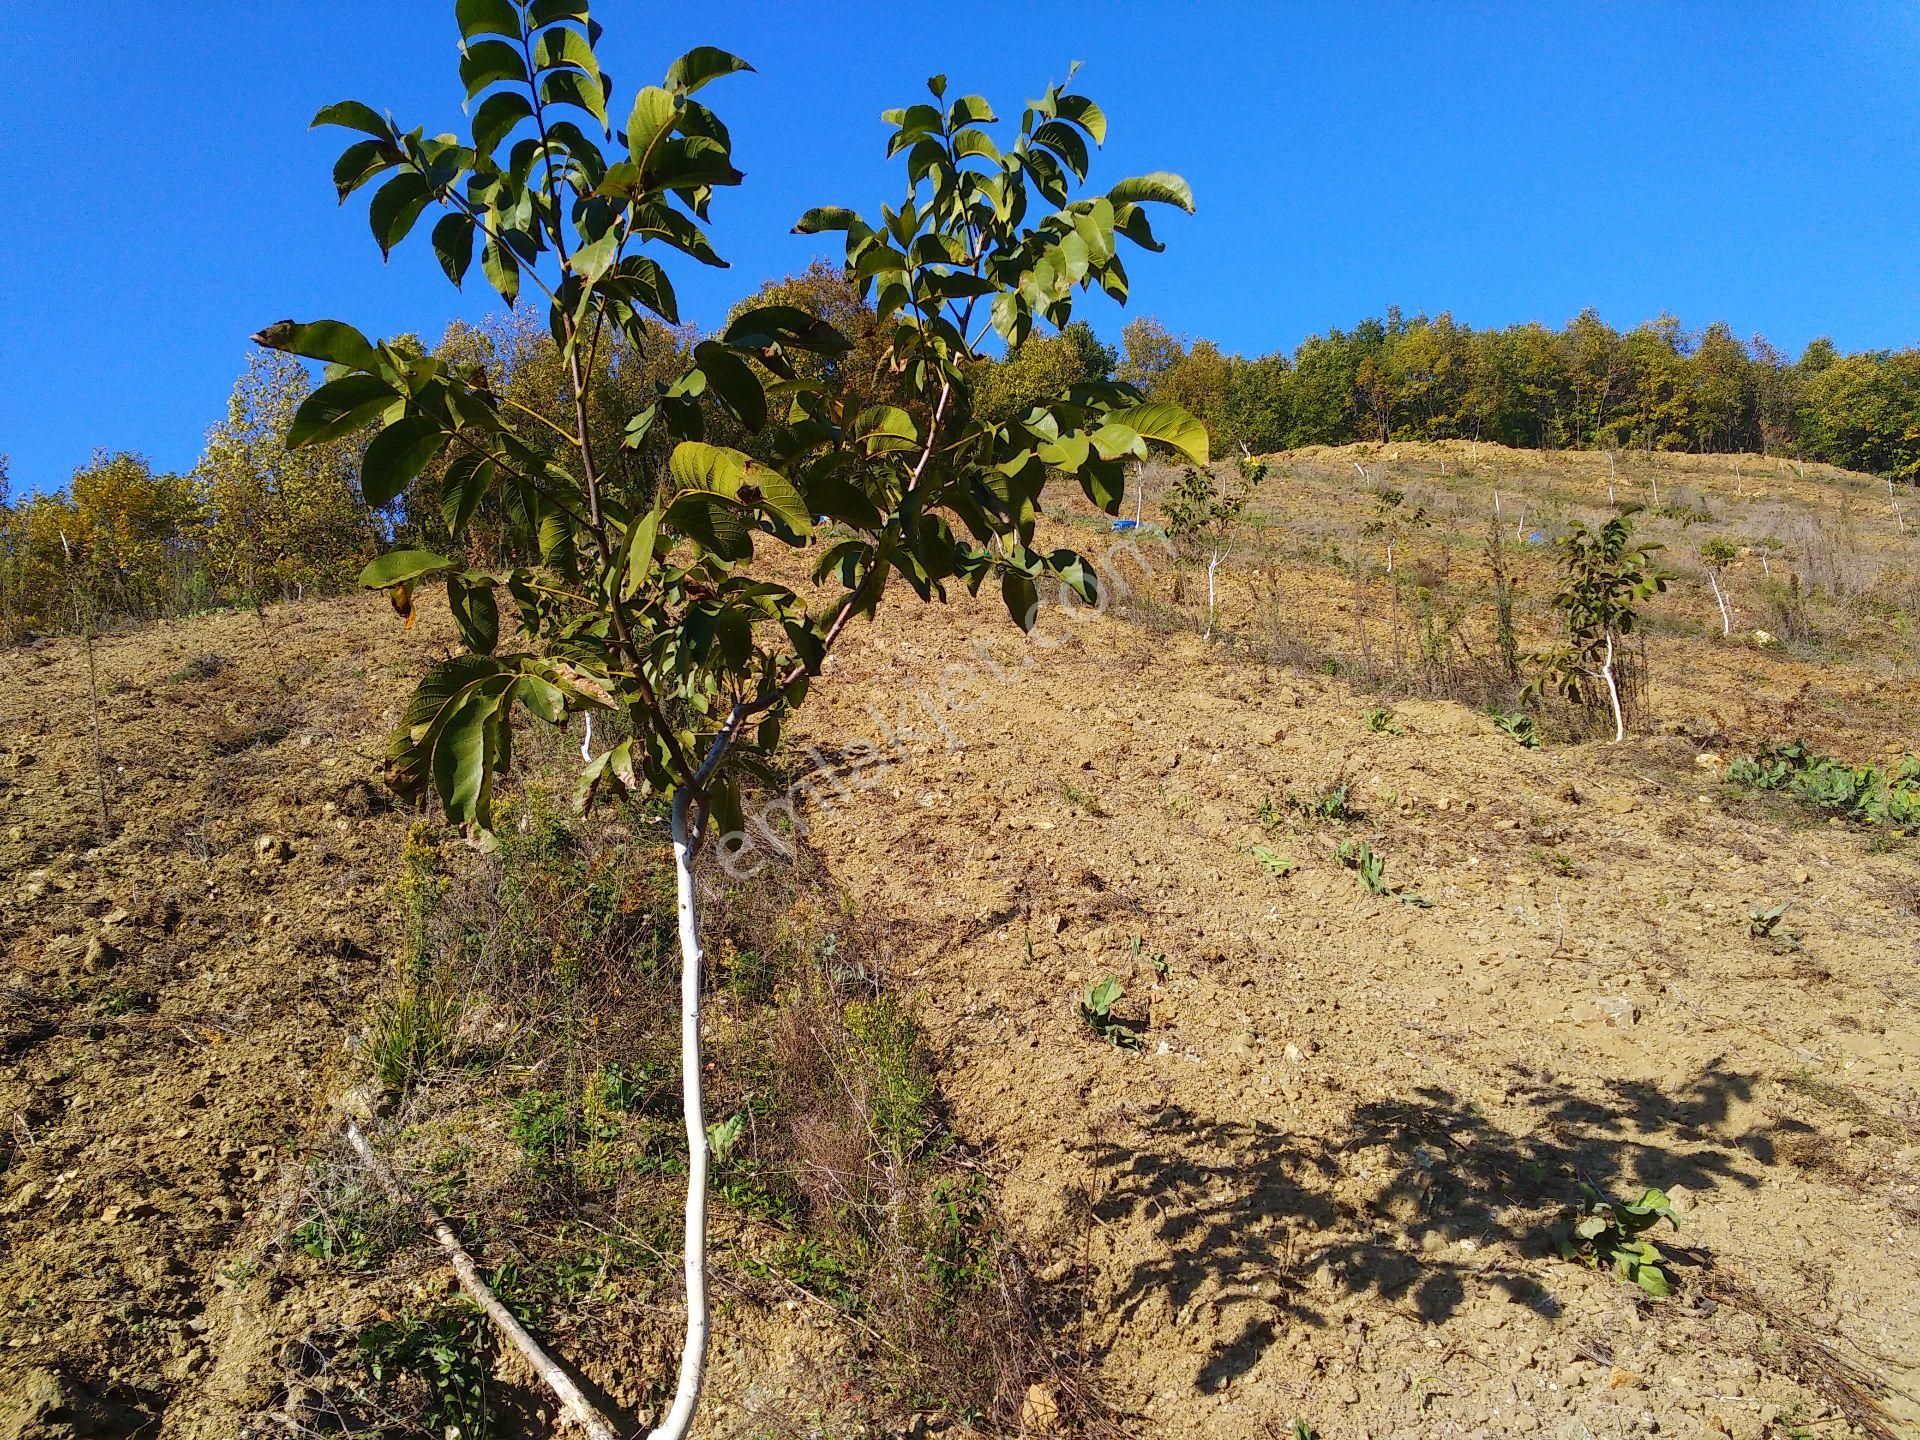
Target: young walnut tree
{"points": [[650, 597], [1605, 573]]}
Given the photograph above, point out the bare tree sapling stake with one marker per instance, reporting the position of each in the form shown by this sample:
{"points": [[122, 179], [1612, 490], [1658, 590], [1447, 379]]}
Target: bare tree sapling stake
{"points": [[642, 590]]}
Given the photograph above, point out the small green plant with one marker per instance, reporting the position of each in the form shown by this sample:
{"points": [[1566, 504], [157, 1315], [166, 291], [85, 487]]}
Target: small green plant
{"points": [[1558, 861], [411, 1032], [448, 1352], [1083, 800], [1364, 861], [1516, 725], [1612, 1235], [1379, 721], [543, 1125], [898, 1075], [1097, 1011], [1333, 803], [1203, 512], [1371, 866], [1762, 923], [1273, 862], [355, 1236], [1157, 960]]}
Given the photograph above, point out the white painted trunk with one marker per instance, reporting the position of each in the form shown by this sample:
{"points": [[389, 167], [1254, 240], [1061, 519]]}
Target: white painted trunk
{"points": [[1613, 695], [693, 1358], [1726, 621], [1213, 564]]}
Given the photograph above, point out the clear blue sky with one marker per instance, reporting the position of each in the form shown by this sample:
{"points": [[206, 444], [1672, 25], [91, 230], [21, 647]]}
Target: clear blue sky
{"points": [[1741, 161]]}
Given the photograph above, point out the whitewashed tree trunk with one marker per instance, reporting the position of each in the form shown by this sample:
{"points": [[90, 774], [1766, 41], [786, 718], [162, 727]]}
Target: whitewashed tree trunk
{"points": [[693, 1357], [1726, 621], [1213, 564], [1613, 693]]}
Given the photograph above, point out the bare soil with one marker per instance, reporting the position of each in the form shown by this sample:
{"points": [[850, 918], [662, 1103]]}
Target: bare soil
{"points": [[1325, 1187]]}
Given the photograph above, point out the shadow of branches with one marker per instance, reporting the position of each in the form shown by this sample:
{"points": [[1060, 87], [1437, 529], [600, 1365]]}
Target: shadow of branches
{"points": [[1422, 1199]]}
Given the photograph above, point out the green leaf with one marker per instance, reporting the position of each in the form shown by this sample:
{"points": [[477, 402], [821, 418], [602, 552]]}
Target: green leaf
{"points": [[970, 110], [338, 408], [487, 17], [453, 244], [502, 271], [565, 47], [785, 325], [548, 12], [328, 340], [652, 119], [475, 612], [567, 87], [884, 428], [463, 757], [359, 163], [827, 217], [398, 566], [1167, 424], [1084, 113], [714, 523], [640, 547], [1160, 186], [734, 382], [700, 65], [396, 205], [467, 479], [1651, 1279], [489, 63], [838, 498], [1022, 597], [1131, 221], [398, 454], [352, 115], [497, 116]]}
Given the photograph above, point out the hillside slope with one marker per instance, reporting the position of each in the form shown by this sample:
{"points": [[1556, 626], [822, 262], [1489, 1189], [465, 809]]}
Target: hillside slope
{"points": [[1325, 1186]]}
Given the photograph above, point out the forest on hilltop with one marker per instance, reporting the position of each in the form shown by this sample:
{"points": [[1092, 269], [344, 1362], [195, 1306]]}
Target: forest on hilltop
{"points": [[254, 521]]}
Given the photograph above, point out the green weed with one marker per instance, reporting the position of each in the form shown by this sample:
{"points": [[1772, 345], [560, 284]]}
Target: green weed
{"points": [[448, 1354], [1609, 1234], [1097, 1011], [1379, 721]]}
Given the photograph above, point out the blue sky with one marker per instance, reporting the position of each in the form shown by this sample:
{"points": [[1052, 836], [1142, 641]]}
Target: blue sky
{"points": [[1744, 161]]}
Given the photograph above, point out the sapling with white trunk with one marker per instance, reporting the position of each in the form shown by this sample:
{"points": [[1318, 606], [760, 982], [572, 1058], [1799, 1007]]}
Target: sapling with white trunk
{"points": [[1203, 514], [1716, 554], [649, 595], [1605, 574]]}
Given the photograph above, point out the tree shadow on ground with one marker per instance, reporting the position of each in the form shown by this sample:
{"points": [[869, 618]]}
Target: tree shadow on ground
{"points": [[1423, 1200]]}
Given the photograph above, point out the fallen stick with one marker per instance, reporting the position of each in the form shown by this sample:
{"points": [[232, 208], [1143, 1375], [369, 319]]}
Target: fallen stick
{"points": [[575, 1408]]}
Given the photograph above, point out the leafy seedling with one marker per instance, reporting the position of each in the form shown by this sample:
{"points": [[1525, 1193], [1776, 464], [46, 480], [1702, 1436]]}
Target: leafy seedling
{"points": [[1371, 867], [1333, 803], [1612, 1235], [1158, 959], [1516, 725], [1380, 721], [1273, 862], [1762, 923], [1097, 1010]]}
